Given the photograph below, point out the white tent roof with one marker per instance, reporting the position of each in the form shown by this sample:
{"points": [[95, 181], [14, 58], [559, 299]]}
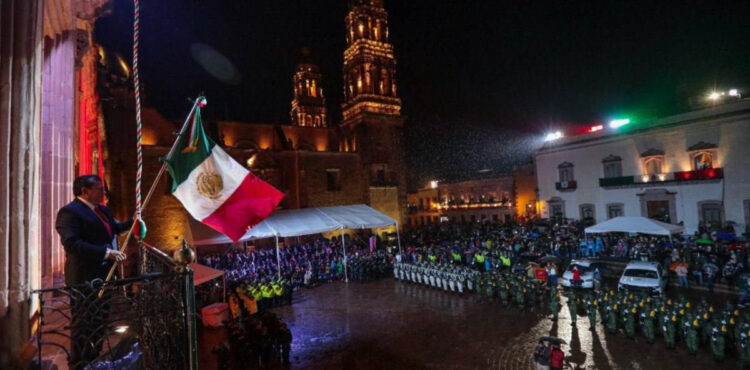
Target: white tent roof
{"points": [[298, 222], [635, 225]]}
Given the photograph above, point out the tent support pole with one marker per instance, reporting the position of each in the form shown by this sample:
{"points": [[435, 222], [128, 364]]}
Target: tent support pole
{"points": [[343, 247], [398, 240], [278, 259]]}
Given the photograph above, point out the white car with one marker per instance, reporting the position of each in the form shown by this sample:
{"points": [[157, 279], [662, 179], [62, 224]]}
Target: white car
{"points": [[586, 267], [640, 276]]}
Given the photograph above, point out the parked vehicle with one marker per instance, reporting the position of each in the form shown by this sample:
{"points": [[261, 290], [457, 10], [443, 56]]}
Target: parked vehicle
{"points": [[643, 276], [586, 268]]}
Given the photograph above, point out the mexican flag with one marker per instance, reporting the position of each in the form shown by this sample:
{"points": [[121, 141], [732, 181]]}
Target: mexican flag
{"points": [[214, 188]]}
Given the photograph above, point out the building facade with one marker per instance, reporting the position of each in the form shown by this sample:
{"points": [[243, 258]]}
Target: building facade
{"points": [[313, 161], [691, 168], [481, 200]]}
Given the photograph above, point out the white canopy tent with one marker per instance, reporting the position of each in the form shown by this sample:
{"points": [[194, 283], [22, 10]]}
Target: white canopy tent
{"points": [[641, 225], [305, 221]]}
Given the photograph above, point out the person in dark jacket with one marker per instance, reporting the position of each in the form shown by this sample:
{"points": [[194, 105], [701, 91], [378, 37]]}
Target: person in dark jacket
{"points": [[541, 356], [88, 232]]}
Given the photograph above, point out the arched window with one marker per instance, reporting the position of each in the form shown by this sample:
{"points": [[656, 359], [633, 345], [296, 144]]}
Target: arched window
{"points": [[702, 161], [317, 121], [313, 90], [652, 166], [361, 29], [308, 120]]}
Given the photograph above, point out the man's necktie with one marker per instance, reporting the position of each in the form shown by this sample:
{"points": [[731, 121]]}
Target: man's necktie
{"points": [[103, 218]]}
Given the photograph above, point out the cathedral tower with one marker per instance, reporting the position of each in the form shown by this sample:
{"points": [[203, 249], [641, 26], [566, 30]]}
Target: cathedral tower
{"points": [[372, 109], [309, 103], [369, 64]]}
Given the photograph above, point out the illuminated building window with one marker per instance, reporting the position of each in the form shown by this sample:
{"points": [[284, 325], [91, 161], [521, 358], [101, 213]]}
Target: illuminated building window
{"points": [[651, 161], [359, 84], [361, 29], [652, 166], [317, 121], [313, 90], [376, 32], [702, 161], [308, 120]]}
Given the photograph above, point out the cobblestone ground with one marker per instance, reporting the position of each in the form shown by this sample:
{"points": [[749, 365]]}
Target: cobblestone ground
{"points": [[395, 325]]}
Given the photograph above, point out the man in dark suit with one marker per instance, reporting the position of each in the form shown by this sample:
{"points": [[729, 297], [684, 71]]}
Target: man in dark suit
{"points": [[88, 232]]}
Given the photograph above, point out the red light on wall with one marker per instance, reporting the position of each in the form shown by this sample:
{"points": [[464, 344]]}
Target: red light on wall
{"points": [[711, 173]]}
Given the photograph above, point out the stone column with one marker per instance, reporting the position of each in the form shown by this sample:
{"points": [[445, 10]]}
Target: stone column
{"points": [[21, 29]]}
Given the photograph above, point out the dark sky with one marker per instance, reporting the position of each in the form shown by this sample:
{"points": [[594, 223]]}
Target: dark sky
{"points": [[480, 81]]}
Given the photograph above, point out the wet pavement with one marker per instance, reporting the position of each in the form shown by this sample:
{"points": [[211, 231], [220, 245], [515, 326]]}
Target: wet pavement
{"points": [[396, 325]]}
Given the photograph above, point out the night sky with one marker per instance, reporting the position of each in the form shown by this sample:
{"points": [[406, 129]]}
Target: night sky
{"points": [[480, 81]]}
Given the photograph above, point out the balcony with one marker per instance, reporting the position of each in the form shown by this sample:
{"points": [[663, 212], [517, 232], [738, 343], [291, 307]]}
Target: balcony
{"points": [[566, 185], [616, 181], [663, 178], [705, 174]]}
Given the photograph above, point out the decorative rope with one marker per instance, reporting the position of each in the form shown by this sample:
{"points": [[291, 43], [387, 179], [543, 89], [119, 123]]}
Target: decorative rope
{"points": [[140, 231]]}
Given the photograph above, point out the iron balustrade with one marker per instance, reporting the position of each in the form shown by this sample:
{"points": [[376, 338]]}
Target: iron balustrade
{"points": [[144, 322]]}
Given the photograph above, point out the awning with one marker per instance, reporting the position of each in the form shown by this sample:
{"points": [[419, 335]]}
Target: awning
{"points": [[296, 222], [641, 225], [202, 273]]}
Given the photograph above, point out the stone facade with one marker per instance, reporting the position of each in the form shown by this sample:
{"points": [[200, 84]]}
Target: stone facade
{"points": [[359, 161]]}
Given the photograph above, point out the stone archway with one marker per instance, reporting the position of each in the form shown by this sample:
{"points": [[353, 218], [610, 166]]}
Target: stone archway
{"points": [[659, 204]]}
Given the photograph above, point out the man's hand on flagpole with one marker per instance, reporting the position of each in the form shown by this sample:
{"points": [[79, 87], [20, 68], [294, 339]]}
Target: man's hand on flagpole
{"points": [[115, 255]]}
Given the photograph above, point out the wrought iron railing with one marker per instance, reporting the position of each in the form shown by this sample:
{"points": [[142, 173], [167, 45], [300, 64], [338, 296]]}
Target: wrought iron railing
{"points": [[144, 322]]}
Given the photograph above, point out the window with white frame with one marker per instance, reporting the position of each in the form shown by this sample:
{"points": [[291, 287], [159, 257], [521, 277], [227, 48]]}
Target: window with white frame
{"points": [[566, 172], [612, 166], [587, 211]]}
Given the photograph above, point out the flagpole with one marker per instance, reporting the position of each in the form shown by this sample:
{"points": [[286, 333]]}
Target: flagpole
{"points": [[163, 168]]}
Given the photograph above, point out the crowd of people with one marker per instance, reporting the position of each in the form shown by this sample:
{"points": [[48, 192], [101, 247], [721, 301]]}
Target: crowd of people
{"points": [[491, 261], [707, 258], [483, 259]]}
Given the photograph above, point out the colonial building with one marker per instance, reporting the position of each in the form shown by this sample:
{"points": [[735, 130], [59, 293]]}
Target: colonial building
{"points": [[691, 168], [480, 200], [313, 161]]}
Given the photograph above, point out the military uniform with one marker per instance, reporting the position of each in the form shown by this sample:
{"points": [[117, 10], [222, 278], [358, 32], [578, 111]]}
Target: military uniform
{"points": [[573, 307], [591, 306], [718, 332], [554, 303]]}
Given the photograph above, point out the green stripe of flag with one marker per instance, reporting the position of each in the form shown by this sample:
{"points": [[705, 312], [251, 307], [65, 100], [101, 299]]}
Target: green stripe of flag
{"points": [[181, 164]]}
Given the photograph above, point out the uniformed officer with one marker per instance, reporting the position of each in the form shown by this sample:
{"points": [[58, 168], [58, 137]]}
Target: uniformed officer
{"points": [[691, 335], [573, 307], [591, 306], [718, 332], [554, 303], [668, 329]]}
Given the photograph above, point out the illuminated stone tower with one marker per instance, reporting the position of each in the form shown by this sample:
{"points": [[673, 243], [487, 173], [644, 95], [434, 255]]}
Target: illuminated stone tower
{"points": [[372, 122], [309, 103]]}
